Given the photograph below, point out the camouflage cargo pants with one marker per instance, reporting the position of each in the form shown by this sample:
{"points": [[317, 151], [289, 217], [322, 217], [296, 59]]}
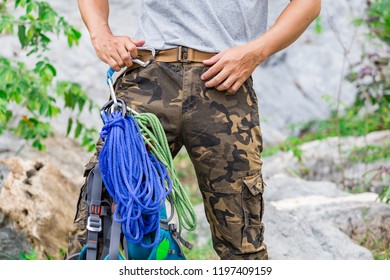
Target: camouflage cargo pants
{"points": [[221, 133]]}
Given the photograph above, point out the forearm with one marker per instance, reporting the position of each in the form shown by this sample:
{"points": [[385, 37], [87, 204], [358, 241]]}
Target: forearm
{"points": [[291, 24], [95, 16]]}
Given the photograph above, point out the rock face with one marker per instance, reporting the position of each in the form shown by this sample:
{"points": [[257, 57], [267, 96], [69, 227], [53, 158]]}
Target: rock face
{"points": [[37, 206]]}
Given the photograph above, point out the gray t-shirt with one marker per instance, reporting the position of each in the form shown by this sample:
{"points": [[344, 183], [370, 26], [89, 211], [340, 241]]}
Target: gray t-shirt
{"points": [[206, 25]]}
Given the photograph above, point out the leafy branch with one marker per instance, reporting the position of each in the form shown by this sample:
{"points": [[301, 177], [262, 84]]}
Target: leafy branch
{"points": [[35, 90]]}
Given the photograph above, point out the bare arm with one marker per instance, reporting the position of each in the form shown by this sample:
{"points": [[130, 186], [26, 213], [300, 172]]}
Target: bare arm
{"points": [[230, 68], [111, 49]]}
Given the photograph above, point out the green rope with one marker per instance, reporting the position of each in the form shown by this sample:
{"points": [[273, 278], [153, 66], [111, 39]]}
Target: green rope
{"points": [[154, 136]]}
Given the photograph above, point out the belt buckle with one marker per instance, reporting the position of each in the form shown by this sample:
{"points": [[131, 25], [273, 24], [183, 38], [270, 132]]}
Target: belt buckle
{"points": [[182, 54]]}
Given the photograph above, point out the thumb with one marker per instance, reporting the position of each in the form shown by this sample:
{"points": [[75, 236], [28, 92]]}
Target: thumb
{"points": [[213, 60], [139, 43]]}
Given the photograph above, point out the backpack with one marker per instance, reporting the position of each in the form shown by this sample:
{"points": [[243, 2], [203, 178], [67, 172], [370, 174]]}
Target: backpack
{"points": [[100, 225], [106, 239]]}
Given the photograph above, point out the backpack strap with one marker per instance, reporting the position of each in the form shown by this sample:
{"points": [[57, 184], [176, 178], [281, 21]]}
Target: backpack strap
{"points": [[94, 221], [107, 221]]}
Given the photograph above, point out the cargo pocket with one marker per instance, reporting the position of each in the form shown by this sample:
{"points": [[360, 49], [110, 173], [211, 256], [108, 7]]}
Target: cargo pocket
{"points": [[253, 207]]}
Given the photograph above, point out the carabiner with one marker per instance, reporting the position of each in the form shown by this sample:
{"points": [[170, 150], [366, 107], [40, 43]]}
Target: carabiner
{"points": [[145, 63], [111, 72]]}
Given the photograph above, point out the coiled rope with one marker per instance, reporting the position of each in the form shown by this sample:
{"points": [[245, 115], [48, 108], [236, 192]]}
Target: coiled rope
{"points": [[154, 135], [140, 180], [137, 181]]}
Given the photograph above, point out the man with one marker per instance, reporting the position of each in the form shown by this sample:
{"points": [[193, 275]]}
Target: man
{"points": [[200, 87]]}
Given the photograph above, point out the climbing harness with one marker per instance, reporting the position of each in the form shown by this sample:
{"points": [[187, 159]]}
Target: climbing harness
{"points": [[135, 167]]}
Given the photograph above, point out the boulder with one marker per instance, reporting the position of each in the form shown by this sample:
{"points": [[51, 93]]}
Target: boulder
{"points": [[336, 220], [37, 206]]}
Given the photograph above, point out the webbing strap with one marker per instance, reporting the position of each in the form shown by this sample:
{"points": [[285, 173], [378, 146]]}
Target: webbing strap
{"points": [[94, 222], [106, 236], [115, 237]]}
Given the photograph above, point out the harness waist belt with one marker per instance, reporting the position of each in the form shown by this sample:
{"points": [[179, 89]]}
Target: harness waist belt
{"points": [[183, 54], [179, 54]]}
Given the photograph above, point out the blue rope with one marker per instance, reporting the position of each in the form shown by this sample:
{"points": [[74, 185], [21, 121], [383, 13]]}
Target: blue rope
{"points": [[137, 181]]}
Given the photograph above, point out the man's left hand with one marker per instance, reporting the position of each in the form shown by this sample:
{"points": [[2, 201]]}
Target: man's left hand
{"points": [[230, 68]]}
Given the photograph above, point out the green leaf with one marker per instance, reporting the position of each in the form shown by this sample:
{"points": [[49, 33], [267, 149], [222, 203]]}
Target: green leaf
{"points": [[17, 2], [3, 94], [42, 10], [38, 66], [22, 35], [78, 129], [52, 69], [91, 147], [31, 7], [53, 111], [70, 124], [43, 108], [38, 144], [30, 33]]}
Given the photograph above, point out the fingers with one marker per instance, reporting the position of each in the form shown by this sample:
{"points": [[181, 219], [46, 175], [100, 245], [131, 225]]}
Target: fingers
{"points": [[229, 69], [131, 48], [117, 51], [235, 87], [214, 69], [213, 60], [223, 77], [215, 75]]}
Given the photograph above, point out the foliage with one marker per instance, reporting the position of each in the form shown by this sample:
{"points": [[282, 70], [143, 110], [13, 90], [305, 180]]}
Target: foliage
{"points": [[378, 19], [33, 92], [32, 255], [370, 153], [371, 75], [384, 195], [348, 124]]}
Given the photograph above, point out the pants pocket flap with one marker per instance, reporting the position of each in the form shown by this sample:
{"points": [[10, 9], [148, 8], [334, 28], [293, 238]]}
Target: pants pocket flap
{"points": [[254, 183]]}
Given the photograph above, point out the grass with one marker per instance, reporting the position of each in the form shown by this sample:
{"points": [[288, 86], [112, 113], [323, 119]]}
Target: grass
{"points": [[370, 153], [379, 246], [206, 252], [348, 124]]}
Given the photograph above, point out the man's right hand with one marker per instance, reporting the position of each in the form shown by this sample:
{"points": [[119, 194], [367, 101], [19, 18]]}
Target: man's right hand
{"points": [[116, 51]]}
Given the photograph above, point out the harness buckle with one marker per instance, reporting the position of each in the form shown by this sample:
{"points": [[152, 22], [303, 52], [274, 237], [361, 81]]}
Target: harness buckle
{"points": [[182, 54], [94, 223]]}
